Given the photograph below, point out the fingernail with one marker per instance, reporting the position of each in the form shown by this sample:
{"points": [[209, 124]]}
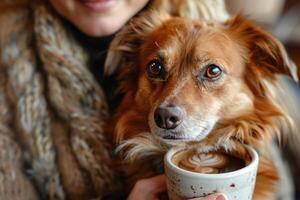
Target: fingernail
{"points": [[221, 197]]}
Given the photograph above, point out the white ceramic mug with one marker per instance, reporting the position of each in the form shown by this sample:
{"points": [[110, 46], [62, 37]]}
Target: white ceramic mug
{"points": [[183, 184]]}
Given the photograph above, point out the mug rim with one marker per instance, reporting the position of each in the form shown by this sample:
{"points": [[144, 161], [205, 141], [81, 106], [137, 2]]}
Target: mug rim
{"points": [[253, 163]]}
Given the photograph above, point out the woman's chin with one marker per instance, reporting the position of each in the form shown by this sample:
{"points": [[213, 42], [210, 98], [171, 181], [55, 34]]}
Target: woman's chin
{"points": [[97, 29]]}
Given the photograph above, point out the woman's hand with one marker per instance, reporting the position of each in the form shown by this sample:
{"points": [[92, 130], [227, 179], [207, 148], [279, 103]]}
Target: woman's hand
{"points": [[149, 189]]}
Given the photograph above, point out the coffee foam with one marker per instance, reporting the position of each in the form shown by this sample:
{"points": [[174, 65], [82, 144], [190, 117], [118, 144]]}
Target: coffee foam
{"points": [[209, 163]]}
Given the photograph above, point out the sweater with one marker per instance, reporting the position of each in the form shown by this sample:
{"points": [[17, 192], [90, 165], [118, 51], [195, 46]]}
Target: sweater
{"points": [[52, 110]]}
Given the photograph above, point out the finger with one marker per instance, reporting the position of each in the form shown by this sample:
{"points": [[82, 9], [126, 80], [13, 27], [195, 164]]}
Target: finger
{"points": [[147, 189], [155, 184], [216, 196]]}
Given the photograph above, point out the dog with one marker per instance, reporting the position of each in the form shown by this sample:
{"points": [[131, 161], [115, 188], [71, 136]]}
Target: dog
{"points": [[200, 84]]}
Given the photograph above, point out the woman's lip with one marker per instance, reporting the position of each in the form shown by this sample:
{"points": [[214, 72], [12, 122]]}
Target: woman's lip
{"points": [[99, 5]]}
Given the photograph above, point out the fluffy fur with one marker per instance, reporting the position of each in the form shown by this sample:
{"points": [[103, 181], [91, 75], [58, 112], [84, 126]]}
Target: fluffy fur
{"points": [[240, 107]]}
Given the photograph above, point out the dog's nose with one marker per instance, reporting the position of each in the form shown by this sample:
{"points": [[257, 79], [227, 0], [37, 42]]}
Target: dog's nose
{"points": [[168, 117]]}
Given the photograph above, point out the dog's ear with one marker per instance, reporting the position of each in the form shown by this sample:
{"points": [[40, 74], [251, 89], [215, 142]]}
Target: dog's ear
{"points": [[266, 63], [266, 55], [124, 47]]}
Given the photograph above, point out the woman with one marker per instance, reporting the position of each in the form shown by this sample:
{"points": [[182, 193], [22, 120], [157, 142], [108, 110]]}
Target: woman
{"points": [[54, 99]]}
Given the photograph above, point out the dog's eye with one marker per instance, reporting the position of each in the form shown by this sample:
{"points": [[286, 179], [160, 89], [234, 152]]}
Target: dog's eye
{"points": [[213, 72], [155, 69]]}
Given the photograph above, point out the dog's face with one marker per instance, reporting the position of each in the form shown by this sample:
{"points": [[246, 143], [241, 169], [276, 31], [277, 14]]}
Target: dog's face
{"points": [[185, 79], [191, 76]]}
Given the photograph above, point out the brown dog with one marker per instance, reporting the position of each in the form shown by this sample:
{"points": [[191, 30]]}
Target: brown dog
{"points": [[201, 84]]}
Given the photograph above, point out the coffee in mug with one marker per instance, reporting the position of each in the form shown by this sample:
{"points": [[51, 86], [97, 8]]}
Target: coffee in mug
{"points": [[210, 162], [192, 174]]}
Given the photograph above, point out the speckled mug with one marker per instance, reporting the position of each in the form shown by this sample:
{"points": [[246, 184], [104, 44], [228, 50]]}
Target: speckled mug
{"points": [[183, 184]]}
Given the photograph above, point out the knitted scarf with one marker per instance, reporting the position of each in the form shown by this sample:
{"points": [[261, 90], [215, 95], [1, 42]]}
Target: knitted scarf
{"points": [[52, 110]]}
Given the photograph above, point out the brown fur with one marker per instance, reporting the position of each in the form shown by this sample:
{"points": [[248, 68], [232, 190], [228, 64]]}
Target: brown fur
{"points": [[240, 100]]}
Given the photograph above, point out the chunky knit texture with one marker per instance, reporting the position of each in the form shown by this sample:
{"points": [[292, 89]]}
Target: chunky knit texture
{"points": [[51, 110]]}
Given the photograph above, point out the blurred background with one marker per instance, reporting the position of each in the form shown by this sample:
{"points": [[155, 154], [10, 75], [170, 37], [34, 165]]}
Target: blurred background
{"points": [[282, 19]]}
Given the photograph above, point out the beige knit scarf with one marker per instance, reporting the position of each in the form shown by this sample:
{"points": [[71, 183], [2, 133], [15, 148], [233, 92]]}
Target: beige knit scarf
{"points": [[48, 80]]}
